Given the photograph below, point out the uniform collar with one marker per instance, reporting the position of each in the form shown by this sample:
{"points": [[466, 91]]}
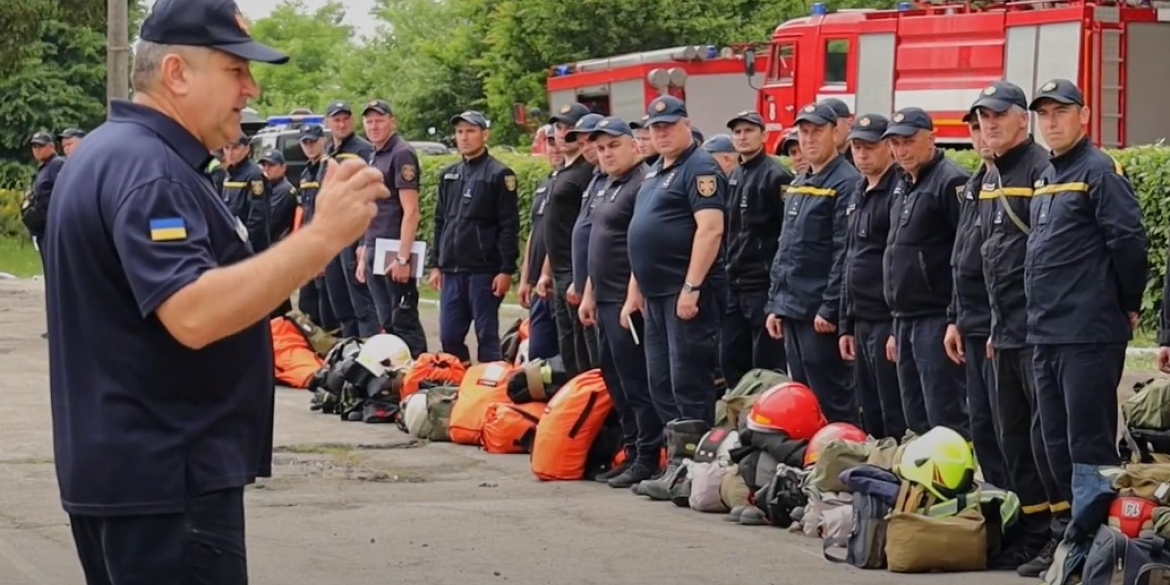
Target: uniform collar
{"points": [[1012, 156], [926, 169], [394, 139], [754, 161], [477, 159], [1073, 154], [885, 183], [180, 140], [682, 157], [630, 174], [829, 168], [335, 147], [49, 160], [242, 167]]}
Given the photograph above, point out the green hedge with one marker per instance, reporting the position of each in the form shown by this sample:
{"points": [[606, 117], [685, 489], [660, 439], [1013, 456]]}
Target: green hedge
{"points": [[1148, 167]]}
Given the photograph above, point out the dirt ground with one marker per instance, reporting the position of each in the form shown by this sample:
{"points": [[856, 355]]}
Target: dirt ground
{"points": [[355, 504]]}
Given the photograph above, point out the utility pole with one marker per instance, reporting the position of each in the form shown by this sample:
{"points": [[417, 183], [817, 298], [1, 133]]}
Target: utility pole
{"points": [[117, 51]]}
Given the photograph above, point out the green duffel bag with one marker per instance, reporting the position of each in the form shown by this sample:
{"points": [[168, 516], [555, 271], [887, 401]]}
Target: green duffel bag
{"points": [[739, 399], [440, 402]]}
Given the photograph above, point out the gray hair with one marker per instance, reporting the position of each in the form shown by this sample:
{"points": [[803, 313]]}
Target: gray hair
{"points": [[148, 58]]}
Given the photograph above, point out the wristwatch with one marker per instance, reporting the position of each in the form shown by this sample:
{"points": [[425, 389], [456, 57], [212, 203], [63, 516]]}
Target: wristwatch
{"points": [[690, 288], [402, 261]]}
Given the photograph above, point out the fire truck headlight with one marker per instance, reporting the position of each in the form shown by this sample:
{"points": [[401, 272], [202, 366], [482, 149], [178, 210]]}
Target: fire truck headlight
{"points": [[658, 78], [678, 77]]}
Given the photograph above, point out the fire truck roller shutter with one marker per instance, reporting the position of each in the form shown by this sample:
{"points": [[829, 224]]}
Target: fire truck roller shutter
{"points": [[1147, 85], [1035, 54], [714, 99], [627, 99], [875, 74]]}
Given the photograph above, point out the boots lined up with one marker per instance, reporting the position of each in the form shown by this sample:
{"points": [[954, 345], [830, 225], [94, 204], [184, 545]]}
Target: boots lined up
{"points": [[682, 438]]}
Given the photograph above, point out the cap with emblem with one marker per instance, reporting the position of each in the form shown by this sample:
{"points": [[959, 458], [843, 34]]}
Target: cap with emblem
{"points": [[1061, 91], [569, 114], [72, 133], [908, 122], [665, 109], [217, 24], [311, 132], [335, 108], [747, 116], [272, 157], [719, 144], [1000, 96], [839, 107], [869, 128], [819, 114], [474, 118], [585, 125], [41, 138], [378, 107], [612, 126]]}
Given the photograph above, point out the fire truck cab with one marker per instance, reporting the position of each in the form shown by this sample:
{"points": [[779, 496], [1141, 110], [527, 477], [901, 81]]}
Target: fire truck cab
{"points": [[939, 56], [709, 79]]}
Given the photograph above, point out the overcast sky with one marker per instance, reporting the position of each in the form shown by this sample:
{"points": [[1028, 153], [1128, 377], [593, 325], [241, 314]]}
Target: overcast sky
{"points": [[356, 11]]}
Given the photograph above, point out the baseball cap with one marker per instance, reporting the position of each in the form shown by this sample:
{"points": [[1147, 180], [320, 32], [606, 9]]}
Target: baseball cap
{"points": [[72, 133], [612, 126], [790, 137], [378, 107], [819, 113], [272, 157], [41, 138], [665, 109], [746, 116], [838, 106], [338, 107], [569, 114], [217, 24], [1000, 96], [478, 119], [908, 122], [311, 132], [1058, 90], [585, 125], [719, 144], [869, 128]]}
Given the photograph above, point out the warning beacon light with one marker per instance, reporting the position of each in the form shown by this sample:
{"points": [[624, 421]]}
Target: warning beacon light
{"points": [[905, 7], [819, 9]]}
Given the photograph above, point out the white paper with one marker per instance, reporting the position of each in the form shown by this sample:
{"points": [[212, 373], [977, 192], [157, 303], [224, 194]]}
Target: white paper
{"points": [[386, 250]]}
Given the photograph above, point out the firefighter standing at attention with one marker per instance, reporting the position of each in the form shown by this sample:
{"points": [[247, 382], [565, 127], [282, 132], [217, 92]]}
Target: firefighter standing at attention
{"points": [[804, 301], [542, 327], [247, 194], [1084, 275], [755, 209], [314, 297], [1005, 199]]}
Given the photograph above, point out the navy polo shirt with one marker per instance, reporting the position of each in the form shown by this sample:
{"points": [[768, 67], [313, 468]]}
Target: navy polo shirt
{"points": [[141, 422], [663, 227], [399, 166]]}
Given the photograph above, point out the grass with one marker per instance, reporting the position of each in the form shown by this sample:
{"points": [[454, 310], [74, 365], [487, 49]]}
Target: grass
{"points": [[19, 258]]}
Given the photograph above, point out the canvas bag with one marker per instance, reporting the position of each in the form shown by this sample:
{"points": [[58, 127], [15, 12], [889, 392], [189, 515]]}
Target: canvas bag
{"points": [[865, 547], [917, 543]]}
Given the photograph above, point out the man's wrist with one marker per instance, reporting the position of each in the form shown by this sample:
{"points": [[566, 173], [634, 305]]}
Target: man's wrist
{"points": [[690, 287]]}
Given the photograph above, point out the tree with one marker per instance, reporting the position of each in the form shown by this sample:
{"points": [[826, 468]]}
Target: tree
{"points": [[318, 43]]}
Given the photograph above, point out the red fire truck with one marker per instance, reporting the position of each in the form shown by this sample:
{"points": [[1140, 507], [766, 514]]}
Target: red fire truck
{"points": [[939, 56], [710, 79]]}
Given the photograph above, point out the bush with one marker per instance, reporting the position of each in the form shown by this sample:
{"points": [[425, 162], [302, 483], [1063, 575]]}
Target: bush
{"points": [[1148, 168]]}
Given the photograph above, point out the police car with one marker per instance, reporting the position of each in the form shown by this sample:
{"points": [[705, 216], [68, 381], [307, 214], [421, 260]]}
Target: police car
{"points": [[281, 133]]}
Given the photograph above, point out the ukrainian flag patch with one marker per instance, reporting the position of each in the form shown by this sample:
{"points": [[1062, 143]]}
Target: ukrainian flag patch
{"points": [[168, 229]]}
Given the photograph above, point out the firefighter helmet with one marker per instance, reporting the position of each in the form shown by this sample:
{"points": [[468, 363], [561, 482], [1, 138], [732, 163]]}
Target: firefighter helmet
{"points": [[941, 461], [838, 431], [790, 408]]}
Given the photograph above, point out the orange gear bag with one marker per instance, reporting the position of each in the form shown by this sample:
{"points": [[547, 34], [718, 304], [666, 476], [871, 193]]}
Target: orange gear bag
{"points": [[510, 428], [294, 359], [482, 386], [572, 421], [437, 369]]}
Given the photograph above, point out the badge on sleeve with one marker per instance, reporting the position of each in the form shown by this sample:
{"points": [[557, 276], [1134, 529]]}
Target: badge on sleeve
{"points": [[257, 188], [168, 229], [241, 230], [510, 182], [408, 172], [706, 185]]}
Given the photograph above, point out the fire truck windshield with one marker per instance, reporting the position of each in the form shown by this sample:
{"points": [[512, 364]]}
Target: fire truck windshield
{"points": [[783, 62]]}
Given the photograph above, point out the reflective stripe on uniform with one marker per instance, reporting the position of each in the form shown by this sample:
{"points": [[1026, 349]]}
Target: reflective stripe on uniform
{"points": [[812, 191], [1063, 188], [1008, 192]]}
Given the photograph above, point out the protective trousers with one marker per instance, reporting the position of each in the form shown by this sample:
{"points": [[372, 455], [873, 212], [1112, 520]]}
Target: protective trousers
{"points": [[744, 341], [351, 299], [464, 299], [313, 300], [682, 357], [542, 330], [877, 381], [814, 359], [1023, 447], [572, 334], [396, 306], [623, 366], [1076, 392], [932, 385], [981, 406]]}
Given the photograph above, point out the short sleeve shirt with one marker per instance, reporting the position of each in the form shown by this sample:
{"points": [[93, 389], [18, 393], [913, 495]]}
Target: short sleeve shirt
{"points": [[663, 227], [609, 258], [141, 422], [399, 165]]}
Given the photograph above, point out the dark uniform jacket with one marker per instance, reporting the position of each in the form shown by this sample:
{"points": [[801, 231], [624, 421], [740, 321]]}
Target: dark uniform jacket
{"points": [[755, 216], [536, 249], [248, 196], [869, 224], [1004, 243], [569, 184], [970, 308], [1086, 264], [809, 264], [477, 220], [310, 185], [36, 207], [924, 216], [351, 147], [284, 208]]}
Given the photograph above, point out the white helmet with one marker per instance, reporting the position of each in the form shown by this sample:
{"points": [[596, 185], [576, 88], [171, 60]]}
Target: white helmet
{"points": [[382, 352]]}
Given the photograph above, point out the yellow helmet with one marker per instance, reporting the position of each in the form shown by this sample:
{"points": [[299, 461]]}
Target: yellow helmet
{"points": [[941, 461]]}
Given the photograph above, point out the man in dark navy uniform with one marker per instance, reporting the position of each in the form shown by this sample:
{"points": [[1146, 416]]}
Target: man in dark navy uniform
{"points": [[866, 322], [70, 140], [247, 194], [679, 282], [755, 214], [580, 234], [805, 296], [924, 217], [393, 286], [542, 326], [284, 194], [35, 208], [160, 357], [623, 359], [1084, 274], [314, 297], [476, 243], [352, 302]]}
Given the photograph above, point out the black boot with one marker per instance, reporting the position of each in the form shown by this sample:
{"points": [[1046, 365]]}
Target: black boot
{"points": [[682, 437], [631, 475], [1038, 565], [616, 471]]}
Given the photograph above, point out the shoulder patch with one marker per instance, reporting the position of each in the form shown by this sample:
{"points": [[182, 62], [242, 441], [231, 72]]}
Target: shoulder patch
{"points": [[1117, 168], [510, 182], [168, 229], [1038, 184], [257, 188], [959, 189], [706, 185], [408, 172]]}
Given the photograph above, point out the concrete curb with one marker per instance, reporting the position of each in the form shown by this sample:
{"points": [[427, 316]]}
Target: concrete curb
{"points": [[507, 306]]}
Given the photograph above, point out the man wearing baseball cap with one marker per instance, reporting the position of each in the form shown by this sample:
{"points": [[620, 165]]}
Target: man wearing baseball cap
{"points": [[34, 212], [160, 353], [314, 298], [70, 138], [247, 193]]}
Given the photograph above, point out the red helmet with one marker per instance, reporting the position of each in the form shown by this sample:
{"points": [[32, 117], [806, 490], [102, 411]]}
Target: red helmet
{"points": [[838, 431], [789, 408], [1132, 516]]}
